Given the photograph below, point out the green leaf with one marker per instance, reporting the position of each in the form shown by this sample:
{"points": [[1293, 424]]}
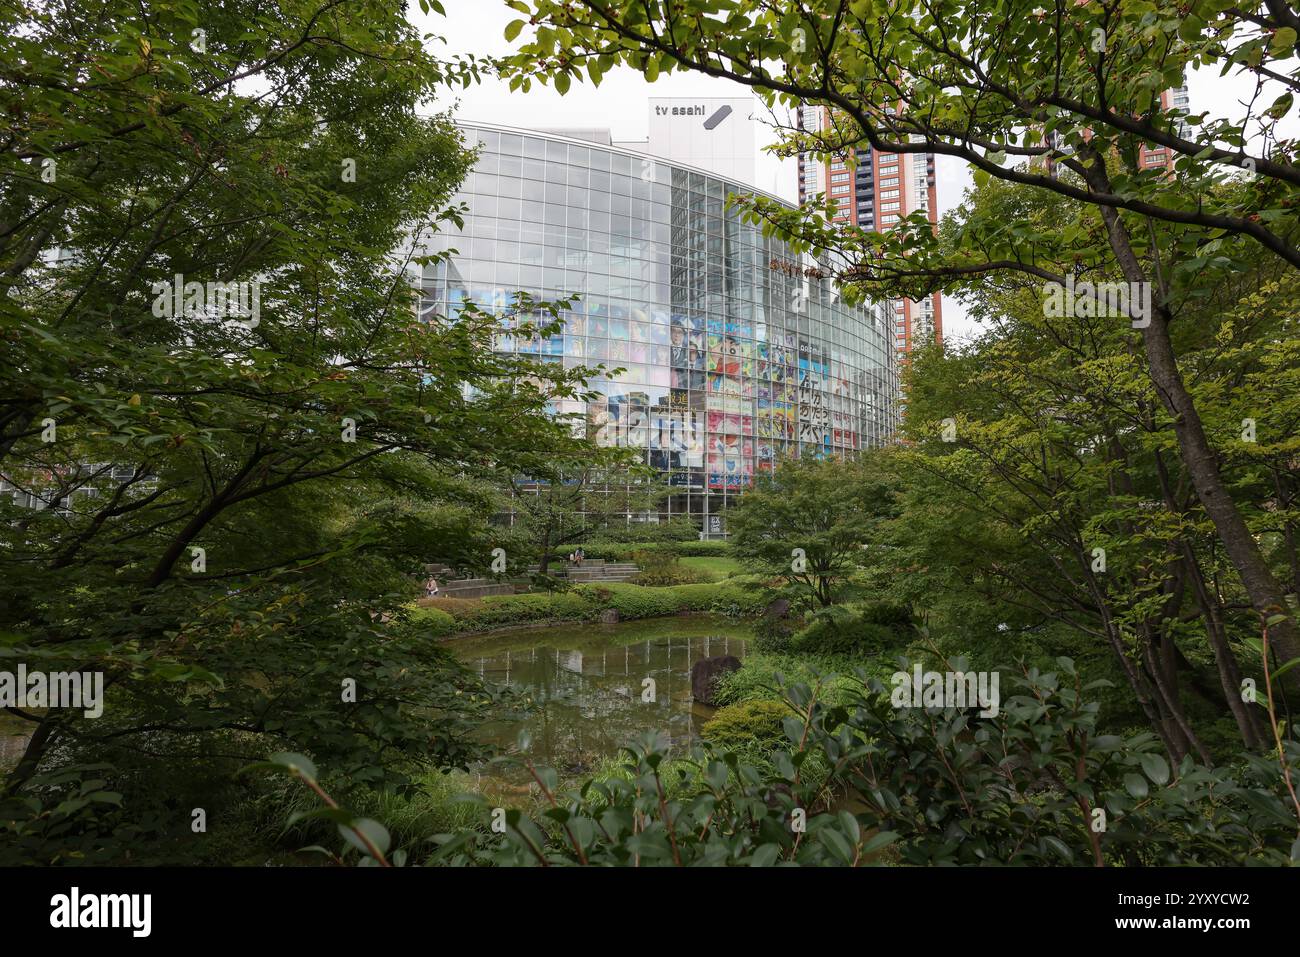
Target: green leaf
{"points": [[879, 840], [766, 856], [295, 762], [837, 843], [1156, 768], [373, 830], [1059, 846], [1283, 669], [1283, 43], [1136, 785]]}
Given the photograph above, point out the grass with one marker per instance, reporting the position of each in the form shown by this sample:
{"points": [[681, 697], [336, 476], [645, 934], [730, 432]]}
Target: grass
{"points": [[717, 567]]}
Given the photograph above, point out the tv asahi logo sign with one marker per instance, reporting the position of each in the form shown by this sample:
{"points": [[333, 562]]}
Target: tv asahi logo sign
{"points": [[238, 303], [1132, 300], [714, 118], [75, 910], [697, 110]]}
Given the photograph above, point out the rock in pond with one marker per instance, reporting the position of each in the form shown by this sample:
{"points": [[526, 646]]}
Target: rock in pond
{"points": [[705, 674]]}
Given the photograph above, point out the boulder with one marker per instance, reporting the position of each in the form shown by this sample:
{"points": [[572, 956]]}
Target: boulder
{"points": [[705, 674], [778, 609], [609, 616]]}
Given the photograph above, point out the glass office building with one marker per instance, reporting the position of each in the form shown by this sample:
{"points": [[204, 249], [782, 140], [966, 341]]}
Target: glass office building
{"points": [[733, 356]]}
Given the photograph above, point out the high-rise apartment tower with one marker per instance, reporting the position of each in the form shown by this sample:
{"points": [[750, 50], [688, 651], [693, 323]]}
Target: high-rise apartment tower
{"points": [[875, 190]]}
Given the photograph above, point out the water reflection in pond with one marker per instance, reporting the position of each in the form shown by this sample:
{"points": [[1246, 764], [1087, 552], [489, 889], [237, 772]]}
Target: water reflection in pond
{"points": [[587, 684]]}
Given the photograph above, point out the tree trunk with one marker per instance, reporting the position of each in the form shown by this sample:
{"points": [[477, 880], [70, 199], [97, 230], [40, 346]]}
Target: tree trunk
{"points": [[1266, 595], [1225, 661], [37, 745], [544, 562], [1138, 679], [1284, 502]]}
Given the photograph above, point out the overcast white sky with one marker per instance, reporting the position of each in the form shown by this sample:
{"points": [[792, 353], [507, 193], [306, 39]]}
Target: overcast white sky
{"points": [[477, 26]]}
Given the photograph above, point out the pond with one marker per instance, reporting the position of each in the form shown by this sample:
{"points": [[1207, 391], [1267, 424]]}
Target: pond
{"points": [[587, 684]]}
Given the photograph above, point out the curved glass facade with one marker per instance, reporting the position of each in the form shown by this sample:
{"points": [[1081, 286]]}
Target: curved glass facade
{"points": [[732, 356]]}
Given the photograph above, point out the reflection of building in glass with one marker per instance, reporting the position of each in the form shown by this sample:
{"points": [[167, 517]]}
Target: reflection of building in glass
{"points": [[733, 355]]}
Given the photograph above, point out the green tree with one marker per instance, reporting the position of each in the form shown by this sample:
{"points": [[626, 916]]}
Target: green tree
{"points": [[1057, 497], [584, 496], [811, 523], [211, 505]]}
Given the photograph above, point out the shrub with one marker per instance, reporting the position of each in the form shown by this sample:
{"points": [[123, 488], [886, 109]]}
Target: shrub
{"points": [[704, 549], [762, 674], [436, 621], [739, 598], [855, 631], [659, 568], [751, 722], [677, 530], [637, 601], [1018, 788], [446, 616], [1022, 787], [455, 607], [498, 610], [623, 551], [776, 634]]}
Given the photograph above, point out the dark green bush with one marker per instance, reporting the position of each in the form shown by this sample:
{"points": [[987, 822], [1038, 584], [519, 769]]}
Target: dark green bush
{"points": [[855, 630], [1032, 786], [623, 551], [434, 621], [585, 602], [762, 675], [659, 568], [497, 611], [776, 635], [636, 601], [677, 530]]}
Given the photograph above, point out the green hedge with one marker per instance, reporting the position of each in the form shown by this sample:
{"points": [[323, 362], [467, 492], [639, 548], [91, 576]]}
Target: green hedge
{"points": [[498, 611], [623, 551], [586, 602], [678, 530], [436, 621], [703, 549]]}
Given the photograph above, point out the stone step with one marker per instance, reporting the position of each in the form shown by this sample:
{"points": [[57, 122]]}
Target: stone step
{"points": [[560, 569], [473, 588]]}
